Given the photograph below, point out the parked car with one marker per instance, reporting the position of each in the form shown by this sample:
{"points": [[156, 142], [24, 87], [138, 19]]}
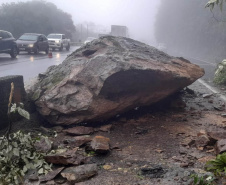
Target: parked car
{"points": [[8, 44], [89, 39], [33, 42], [58, 41]]}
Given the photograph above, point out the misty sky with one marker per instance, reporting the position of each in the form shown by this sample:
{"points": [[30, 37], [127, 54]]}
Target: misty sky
{"points": [[137, 15]]}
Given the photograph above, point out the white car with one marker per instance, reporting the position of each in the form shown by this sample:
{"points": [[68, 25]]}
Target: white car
{"points": [[89, 39], [58, 41]]}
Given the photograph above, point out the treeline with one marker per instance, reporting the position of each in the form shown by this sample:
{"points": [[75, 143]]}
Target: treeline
{"points": [[35, 17], [188, 28]]}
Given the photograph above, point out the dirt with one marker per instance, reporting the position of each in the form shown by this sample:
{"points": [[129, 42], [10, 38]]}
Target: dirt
{"points": [[153, 137]]}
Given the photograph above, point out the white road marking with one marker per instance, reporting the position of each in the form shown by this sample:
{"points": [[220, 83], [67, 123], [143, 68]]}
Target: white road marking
{"points": [[213, 89]]}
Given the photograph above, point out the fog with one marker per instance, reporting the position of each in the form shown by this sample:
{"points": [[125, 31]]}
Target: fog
{"points": [[137, 15]]}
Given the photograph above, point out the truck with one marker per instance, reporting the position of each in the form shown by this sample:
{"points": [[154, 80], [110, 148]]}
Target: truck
{"points": [[58, 41], [119, 31]]}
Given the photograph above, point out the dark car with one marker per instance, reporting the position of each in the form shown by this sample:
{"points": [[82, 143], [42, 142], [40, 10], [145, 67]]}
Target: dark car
{"points": [[8, 44], [33, 42]]}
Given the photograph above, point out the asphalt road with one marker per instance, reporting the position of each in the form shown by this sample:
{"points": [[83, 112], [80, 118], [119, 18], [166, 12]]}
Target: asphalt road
{"points": [[208, 66], [30, 65]]}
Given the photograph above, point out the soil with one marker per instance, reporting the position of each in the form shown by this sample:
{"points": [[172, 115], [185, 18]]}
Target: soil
{"points": [[147, 143]]}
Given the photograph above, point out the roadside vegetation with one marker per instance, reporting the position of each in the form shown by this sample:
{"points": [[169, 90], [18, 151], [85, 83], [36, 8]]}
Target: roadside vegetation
{"points": [[35, 17]]}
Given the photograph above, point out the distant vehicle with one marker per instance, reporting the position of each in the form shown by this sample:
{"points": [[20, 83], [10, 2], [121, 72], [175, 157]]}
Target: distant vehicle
{"points": [[119, 31], [102, 34], [162, 47], [33, 42], [89, 39], [8, 44], [58, 41]]}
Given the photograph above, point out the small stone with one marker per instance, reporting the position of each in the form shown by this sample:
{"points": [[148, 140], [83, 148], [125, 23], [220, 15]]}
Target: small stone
{"points": [[202, 141], [188, 142], [80, 130], [221, 146], [79, 173], [51, 175], [201, 132], [100, 144], [216, 135], [66, 158], [105, 128], [159, 151], [206, 158], [184, 165], [207, 95], [107, 167], [183, 150], [44, 145], [58, 129], [78, 141]]}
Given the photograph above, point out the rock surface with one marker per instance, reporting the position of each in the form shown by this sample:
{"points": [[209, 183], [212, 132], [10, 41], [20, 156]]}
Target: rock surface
{"points": [[100, 144], [80, 173], [66, 158], [221, 146], [80, 130], [108, 77]]}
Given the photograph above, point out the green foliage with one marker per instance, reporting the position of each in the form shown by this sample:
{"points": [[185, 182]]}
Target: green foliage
{"points": [[20, 110], [217, 165], [220, 74], [201, 180], [17, 156], [35, 17]]}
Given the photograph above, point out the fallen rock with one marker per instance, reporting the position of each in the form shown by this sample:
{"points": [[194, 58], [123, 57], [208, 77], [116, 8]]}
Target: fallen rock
{"points": [[105, 128], [188, 141], [44, 145], [66, 158], [78, 141], [207, 95], [80, 173], [202, 139], [215, 136], [107, 77], [100, 144], [221, 146], [107, 167], [155, 172], [51, 175], [81, 130]]}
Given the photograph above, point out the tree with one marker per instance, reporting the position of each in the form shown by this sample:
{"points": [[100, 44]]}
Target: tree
{"points": [[35, 17], [188, 29]]}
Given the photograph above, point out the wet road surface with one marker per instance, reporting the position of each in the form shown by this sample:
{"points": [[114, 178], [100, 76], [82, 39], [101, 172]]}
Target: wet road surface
{"points": [[30, 65]]}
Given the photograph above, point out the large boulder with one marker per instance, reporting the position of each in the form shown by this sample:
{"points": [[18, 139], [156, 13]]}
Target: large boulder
{"points": [[107, 77]]}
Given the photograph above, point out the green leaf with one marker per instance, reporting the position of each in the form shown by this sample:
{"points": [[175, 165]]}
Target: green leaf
{"points": [[23, 113], [16, 152]]}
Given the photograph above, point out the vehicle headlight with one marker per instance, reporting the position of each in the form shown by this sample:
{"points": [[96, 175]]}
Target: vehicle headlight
{"points": [[31, 45], [57, 41]]}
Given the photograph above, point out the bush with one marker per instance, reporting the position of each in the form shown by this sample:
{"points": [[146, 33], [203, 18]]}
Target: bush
{"points": [[17, 156], [220, 74]]}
